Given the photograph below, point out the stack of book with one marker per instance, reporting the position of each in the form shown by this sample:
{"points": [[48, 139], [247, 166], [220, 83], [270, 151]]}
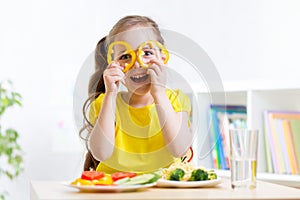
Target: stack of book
{"points": [[282, 141], [223, 118]]}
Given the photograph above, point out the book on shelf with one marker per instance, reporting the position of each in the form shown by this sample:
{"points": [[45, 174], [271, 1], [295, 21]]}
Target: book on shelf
{"points": [[223, 118], [282, 139]]}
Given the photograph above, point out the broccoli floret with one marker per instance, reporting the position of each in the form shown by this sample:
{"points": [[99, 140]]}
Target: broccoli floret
{"points": [[177, 174], [199, 175], [212, 175]]}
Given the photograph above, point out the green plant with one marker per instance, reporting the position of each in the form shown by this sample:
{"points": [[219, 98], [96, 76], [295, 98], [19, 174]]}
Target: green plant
{"points": [[10, 151]]}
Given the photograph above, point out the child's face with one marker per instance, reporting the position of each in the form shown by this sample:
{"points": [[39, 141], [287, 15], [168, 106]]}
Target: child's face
{"points": [[136, 78]]}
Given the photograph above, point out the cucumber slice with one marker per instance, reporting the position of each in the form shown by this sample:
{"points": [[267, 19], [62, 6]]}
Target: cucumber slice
{"points": [[140, 179], [122, 181], [155, 178]]}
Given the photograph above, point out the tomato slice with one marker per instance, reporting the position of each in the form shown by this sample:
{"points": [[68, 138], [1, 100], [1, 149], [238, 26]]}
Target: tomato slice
{"points": [[119, 175], [92, 175]]}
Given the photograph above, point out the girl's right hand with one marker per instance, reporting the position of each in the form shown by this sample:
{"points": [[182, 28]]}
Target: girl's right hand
{"points": [[112, 76]]}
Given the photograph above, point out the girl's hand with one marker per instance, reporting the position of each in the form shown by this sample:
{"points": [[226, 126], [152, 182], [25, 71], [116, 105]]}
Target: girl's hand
{"points": [[112, 76], [157, 72]]}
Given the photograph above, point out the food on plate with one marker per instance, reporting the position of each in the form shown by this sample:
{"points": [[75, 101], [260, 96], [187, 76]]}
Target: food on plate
{"points": [[94, 178], [179, 171], [177, 174], [212, 174], [120, 175], [142, 179], [92, 175], [199, 175]]}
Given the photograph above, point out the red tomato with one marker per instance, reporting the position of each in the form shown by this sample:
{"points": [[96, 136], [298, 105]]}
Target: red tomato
{"points": [[92, 175], [119, 175]]}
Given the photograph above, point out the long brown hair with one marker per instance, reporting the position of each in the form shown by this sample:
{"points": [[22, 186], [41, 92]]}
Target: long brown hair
{"points": [[96, 83]]}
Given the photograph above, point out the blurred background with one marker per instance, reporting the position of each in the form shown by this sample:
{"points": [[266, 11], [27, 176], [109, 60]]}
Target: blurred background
{"points": [[43, 45]]}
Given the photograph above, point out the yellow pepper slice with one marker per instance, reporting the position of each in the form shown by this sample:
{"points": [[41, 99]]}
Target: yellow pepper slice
{"points": [[129, 50], [106, 180], [132, 53], [152, 43], [80, 181]]}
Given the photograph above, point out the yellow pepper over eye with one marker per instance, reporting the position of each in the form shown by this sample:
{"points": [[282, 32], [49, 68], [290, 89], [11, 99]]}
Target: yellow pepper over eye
{"points": [[127, 56], [128, 51], [154, 45]]}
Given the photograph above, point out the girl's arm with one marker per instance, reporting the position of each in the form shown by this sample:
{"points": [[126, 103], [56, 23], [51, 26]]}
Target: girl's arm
{"points": [[175, 129], [102, 138]]}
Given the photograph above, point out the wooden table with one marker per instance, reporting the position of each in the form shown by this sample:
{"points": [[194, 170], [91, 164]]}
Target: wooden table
{"points": [[49, 190]]}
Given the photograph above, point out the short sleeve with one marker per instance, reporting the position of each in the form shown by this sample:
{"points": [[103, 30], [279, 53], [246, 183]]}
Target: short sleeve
{"points": [[95, 108], [179, 100]]}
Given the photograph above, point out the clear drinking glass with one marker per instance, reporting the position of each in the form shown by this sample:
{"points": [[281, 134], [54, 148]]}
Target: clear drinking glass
{"points": [[243, 158]]}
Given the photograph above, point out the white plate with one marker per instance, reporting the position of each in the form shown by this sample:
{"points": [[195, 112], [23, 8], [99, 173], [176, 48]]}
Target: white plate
{"points": [[108, 188], [188, 184]]}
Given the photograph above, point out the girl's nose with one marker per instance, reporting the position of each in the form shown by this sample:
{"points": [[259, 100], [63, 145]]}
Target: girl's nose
{"points": [[136, 64]]}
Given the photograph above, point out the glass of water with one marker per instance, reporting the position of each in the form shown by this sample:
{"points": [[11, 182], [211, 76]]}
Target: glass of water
{"points": [[243, 158]]}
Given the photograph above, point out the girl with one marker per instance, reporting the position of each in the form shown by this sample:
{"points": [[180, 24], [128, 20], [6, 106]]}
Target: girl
{"points": [[146, 127]]}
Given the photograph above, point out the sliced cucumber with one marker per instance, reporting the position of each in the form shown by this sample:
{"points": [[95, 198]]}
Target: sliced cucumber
{"points": [[140, 179], [155, 178], [122, 181]]}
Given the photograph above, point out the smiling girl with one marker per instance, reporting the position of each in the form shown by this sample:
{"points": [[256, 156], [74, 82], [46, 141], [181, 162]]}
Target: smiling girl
{"points": [[145, 127]]}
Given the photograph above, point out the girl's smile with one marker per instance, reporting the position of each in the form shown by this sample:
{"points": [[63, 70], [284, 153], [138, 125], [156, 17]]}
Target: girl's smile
{"points": [[139, 78]]}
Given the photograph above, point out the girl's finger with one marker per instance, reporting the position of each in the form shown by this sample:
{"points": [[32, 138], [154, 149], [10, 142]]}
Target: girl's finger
{"points": [[157, 63], [116, 78], [115, 65], [155, 69], [113, 71], [152, 74]]}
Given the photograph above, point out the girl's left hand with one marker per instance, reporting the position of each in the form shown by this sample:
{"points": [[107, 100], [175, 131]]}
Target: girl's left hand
{"points": [[158, 77]]}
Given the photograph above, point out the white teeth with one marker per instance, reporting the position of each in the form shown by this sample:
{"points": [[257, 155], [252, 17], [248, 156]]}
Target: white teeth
{"points": [[138, 76]]}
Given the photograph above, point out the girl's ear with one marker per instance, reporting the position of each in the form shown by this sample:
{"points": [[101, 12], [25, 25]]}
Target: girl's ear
{"points": [[163, 56]]}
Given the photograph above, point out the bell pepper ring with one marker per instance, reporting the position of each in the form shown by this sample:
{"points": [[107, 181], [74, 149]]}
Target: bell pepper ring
{"points": [[129, 50], [132, 53], [152, 43]]}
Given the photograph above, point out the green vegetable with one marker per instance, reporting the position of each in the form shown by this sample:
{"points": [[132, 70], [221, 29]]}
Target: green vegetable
{"points": [[212, 175], [177, 174], [122, 181], [199, 175], [155, 178], [140, 179]]}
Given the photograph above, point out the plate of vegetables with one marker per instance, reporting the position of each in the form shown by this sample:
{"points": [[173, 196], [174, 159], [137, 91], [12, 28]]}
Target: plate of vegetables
{"points": [[186, 175], [93, 181]]}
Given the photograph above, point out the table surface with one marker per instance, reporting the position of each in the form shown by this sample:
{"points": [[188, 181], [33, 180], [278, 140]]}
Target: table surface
{"points": [[55, 190]]}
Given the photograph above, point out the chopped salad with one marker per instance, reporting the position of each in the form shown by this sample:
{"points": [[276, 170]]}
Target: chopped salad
{"points": [[180, 171]]}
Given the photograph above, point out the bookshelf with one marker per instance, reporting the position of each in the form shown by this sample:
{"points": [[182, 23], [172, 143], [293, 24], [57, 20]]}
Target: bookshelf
{"points": [[257, 98]]}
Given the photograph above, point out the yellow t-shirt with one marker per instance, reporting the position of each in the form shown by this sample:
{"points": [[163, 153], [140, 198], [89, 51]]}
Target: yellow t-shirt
{"points": [[139, 143]]}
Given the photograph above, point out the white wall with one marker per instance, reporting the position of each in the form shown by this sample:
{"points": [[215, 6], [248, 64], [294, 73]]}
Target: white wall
{"points": [[43, 44]]}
